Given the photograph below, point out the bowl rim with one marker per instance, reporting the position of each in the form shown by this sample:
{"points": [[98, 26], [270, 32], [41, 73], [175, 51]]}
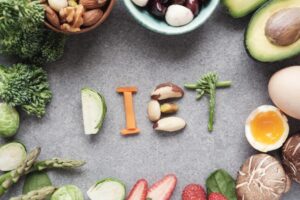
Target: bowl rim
{"points": [[177, 30], [84, 30]]}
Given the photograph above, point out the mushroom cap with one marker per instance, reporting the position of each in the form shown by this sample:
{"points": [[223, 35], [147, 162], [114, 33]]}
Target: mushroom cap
{"points": [[261, 177], [291, 157]]}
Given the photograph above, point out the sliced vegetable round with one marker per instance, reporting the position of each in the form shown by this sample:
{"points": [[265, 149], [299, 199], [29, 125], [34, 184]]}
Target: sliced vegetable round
{"points": [[9, 120], [93, 109], [107, 189], [68, 192], [11, 156]]}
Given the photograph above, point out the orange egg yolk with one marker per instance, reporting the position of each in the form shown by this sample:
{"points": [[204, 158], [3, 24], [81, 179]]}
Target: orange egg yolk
{"points": [[267, 127]]}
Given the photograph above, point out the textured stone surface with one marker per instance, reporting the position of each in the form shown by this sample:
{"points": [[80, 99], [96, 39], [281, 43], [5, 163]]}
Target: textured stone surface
{"points": [[121, 52]]}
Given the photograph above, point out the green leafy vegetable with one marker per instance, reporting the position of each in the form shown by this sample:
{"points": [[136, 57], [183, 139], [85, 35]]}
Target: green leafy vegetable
{"points": [[68, 192], [22, 32], [220, 181], [25, 86], [207, 85], [9, 120], [35, 181], [29, 166]]}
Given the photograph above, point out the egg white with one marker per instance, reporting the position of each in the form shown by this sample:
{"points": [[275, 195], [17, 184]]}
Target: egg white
{"points": [[262, 146]]}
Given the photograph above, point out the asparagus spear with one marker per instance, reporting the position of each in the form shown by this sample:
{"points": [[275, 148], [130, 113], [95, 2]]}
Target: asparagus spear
{"points": [[208, 84], [12, 177], [40, 194], [55, 163]]}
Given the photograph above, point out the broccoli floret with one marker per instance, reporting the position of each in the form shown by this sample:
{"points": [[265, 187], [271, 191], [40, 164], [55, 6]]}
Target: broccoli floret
{"points": [[25, 86], [23, 34]]}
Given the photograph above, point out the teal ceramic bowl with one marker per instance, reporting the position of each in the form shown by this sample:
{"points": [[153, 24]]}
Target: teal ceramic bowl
{"points": [[160, 26]]}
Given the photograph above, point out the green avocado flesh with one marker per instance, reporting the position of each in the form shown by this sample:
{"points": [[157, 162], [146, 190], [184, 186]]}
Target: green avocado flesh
{"points": [[256, 42], [241, 8]]}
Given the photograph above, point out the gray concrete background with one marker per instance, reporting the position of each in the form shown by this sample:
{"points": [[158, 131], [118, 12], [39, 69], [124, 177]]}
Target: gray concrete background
{"points": [[120, 53]]}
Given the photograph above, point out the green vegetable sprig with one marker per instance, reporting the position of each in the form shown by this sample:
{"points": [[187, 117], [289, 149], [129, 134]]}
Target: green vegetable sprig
{"points": [[30, 165], [207, 85], [39, 194], [25, 86], [221, 182], [23, 34]]}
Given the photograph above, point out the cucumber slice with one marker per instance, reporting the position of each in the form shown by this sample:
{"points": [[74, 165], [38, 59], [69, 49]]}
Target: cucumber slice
{"points": [[107, 189], [11, 156], [93, 109]]}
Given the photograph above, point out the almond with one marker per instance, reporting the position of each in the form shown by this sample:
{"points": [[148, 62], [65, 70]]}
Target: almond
{"points": [[154, 110], [167, 91], [51, 16], [91, 17], [170, 124], [92, 4]]}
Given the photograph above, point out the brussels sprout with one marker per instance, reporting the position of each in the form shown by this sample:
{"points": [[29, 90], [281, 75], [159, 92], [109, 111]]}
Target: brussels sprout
{"points": [[68, 192], [9, 120]]}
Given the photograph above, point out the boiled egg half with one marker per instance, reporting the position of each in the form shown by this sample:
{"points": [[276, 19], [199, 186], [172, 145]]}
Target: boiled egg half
{"points": [[266, 128]]}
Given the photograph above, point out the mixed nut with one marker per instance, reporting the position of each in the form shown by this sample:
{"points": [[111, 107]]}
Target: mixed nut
{"points": [[175, 12], [74, 15], [164, 92]]}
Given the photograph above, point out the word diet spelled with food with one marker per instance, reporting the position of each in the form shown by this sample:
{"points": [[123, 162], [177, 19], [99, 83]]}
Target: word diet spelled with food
{"points": [[35, 33]]}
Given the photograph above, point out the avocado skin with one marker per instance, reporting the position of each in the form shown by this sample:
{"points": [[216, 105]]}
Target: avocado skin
{"points": [[292, 55], [248, 11]]}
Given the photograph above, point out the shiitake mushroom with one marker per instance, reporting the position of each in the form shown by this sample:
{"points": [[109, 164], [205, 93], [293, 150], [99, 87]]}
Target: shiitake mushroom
{"points": [[291, 157], [262, 177]]}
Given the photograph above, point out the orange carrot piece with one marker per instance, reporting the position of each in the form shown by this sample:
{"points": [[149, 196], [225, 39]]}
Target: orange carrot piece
{"points": [[129, 110]]}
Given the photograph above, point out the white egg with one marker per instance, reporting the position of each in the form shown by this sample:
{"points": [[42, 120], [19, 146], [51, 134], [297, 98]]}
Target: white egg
{"points": [[140, 3], [266, 125], [58, 4], [284, 90], [178, 15]]}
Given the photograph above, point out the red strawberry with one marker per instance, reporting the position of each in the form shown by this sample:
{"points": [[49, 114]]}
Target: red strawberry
{"points": [[193, 192], [163, 189], [139, 190], [216, 196]]}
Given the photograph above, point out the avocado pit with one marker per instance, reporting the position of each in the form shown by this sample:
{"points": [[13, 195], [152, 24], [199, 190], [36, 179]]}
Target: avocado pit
{"points": [[283, 27]]}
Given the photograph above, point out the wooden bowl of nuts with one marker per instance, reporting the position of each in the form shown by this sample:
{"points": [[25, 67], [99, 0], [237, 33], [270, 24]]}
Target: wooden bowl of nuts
{"points": [[76, 16]]}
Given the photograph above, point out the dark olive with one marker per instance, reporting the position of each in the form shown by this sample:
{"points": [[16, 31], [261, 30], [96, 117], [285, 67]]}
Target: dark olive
{"points": [[194, 6], [204, 2], [157, 8], [180, 2]]}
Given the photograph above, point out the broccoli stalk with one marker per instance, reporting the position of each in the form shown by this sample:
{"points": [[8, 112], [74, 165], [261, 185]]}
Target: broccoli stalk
{"points": [[25, 86]]}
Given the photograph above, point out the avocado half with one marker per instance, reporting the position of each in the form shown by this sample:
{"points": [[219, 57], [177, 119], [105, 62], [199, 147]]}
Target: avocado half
{"points": [[241, 8], [256, 42]]}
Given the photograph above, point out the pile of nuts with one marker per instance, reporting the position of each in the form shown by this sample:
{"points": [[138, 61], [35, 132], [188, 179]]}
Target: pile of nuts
{"points": [[73, 15], [175, 12], [156, 108]]}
